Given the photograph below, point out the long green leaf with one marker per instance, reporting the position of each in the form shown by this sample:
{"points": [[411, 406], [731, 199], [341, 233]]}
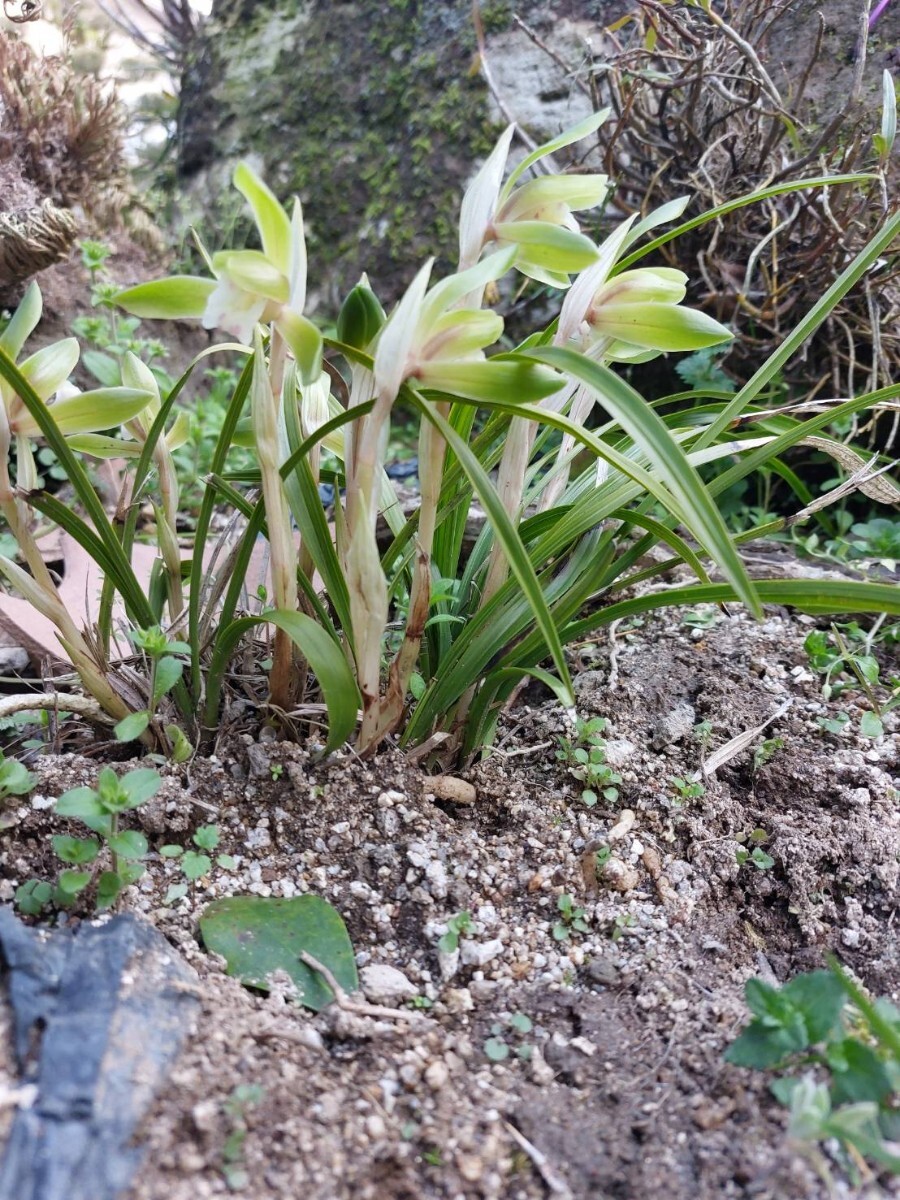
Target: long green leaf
{"points": [[730, 206], [324, 656], [204, 517], [819, 597], [649, 432], [506, 534]]}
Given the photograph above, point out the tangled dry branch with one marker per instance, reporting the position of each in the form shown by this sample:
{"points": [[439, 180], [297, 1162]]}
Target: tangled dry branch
{"points": [[697, 110]]}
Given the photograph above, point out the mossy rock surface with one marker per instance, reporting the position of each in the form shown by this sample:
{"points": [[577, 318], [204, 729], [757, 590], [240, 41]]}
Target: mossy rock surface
{"points": [[373, 113]]}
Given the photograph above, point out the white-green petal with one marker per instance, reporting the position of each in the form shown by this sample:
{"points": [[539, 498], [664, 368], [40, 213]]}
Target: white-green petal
{"points": [[651, 285], [510, 382], [180, 297], [136, 374], [87, 412], [48, 369], [463, 332], [450, 291], [98, 445], [253, 272], [576, 192], [179, 432], [305, 342], [660, 326], [582, 130], [297, 260], [670, 211], [271, 219], [480, 201], [581, 296], [23, 322], [549, 246], [398, 335]]}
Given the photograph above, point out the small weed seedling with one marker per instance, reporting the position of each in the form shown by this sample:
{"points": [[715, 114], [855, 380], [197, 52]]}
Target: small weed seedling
{"points": [[166, 667], [457, 927], [571, 919], [99, 809], [196, 863], [686, 789], [702, 734], [15, 779], [838, 1057], [754, 853], [843, 656], [506, 1038], [621, 925], [244, 1097], [585, 756], [703, 617], [765, 752]]}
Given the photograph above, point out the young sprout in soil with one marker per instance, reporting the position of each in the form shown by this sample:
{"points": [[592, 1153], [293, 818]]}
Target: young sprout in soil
{"points": [[15, 779], [765, 752], [703, 617], [166, 667], [244, 1097], [572, 919], [755, 855], [457, 927], [585, 756], [686, 789], [196, 863], [621, 925], [837, 1054], [506, 1038], [99, 809]]}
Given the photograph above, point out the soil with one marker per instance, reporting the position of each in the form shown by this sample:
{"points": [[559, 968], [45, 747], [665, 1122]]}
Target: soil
{"points": [[620, 1089]]}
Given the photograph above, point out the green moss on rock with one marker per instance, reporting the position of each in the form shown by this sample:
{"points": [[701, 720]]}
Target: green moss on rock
{"points": [[371, 113]]}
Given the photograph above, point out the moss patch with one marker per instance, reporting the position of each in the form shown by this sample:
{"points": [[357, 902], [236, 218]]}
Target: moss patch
{"points": [[371, 113]]}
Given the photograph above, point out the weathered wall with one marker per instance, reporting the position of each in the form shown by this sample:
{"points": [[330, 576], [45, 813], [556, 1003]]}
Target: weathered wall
{"points": [[372, 113]]}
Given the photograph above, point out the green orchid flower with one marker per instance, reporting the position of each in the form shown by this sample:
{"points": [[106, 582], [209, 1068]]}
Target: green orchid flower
{"points": [[536, 217], [47, 371], [250, 286], [635, 315]]}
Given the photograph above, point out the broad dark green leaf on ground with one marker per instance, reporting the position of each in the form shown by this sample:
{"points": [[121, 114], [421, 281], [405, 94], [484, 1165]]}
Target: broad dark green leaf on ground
{"points": [[257, 936]]}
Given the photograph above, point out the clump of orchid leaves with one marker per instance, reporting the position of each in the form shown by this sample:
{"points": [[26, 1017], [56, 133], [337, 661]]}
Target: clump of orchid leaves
{"points": [[420, 640]]}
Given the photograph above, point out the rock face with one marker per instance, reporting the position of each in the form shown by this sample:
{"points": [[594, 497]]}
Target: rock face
{"points": [[374, 113]]}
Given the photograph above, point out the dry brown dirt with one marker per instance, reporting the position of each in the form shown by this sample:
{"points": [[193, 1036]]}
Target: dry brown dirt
{"points": [[621, 1090]]}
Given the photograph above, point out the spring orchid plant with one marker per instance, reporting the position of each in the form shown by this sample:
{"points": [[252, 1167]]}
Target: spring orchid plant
{"points": [[420, 639]]}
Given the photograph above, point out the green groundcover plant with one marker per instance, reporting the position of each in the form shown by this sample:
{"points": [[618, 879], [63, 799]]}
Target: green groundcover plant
{"points": [[837, 1055], [421, 637]]}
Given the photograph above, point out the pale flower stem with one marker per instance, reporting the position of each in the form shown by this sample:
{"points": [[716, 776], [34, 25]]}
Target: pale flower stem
{"points": [[89, 671], [283, 552], [511, 486], [167, 517], [368, 588]]}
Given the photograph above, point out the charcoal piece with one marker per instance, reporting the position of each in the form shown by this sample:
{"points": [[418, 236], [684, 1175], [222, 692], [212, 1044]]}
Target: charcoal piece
{"points": [[99, 1016]]}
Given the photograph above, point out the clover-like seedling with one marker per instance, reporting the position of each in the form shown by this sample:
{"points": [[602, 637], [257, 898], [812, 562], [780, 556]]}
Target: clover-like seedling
{"points": [[15, 779], [457, 927], [585, 756], [686, 789], [506, 1038], [766, 751], [196, 863], [571, 919]]}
